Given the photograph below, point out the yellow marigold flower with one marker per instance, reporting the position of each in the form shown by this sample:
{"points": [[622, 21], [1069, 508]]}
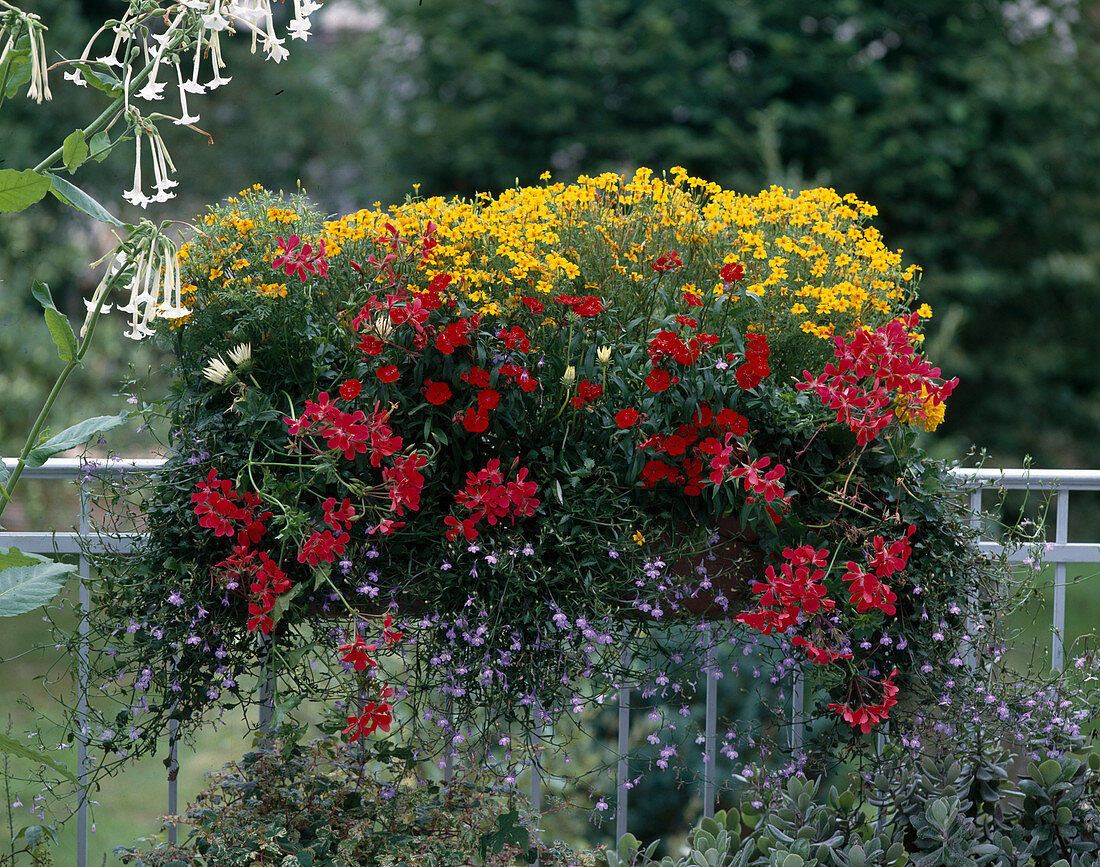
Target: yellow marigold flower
{"points": [[924, 311], [639, 539], [924, 411]]}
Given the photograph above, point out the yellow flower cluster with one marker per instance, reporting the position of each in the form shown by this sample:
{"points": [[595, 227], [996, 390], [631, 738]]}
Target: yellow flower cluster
{"points": [[811, 260], [810, 257], [923, 411]]}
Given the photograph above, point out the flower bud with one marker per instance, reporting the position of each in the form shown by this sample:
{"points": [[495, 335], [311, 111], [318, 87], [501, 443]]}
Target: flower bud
{"points": [[570, 375], [603, 355]]}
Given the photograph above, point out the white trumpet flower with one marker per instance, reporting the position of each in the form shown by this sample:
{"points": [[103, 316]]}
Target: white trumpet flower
{"points": [[148, 259]]}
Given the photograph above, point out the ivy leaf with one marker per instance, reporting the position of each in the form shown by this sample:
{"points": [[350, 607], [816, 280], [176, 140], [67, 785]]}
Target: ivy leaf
{"points": [[74, 436], [74, 150], [24, 588], [19, 190]]}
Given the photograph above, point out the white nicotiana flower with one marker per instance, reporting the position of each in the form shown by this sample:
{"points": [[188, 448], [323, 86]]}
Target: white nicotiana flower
{"points": [[148, 259], [159, 159], [30, 24], [185, 117], [217, 371], [240, 354], [603, 355]]}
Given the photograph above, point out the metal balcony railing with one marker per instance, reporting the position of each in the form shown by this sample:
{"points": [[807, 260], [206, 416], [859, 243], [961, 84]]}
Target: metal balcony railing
{"points": [[1060, 553]]}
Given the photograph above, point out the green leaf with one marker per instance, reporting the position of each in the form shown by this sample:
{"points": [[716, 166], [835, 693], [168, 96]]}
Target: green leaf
{"points": [[74, 436], [17, 68], [13, 747], [72, 195], [14, 557], [24, 588], [74, 150], [99, 146], [99, 79], [19, 190], [60, 330]]}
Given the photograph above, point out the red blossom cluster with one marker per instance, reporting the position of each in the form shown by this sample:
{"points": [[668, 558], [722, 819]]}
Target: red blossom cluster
{"points": [[586, 305], [669, 344], [867, 590], [587, 392], [866, 714], [216, 504], [755, 367], [300, 261], [225, 511], [487, 496], [872, 371], [797, 589], [377, 714], [691, 449], [666, 262], [732, 272], [261, 575], [351, 433]]}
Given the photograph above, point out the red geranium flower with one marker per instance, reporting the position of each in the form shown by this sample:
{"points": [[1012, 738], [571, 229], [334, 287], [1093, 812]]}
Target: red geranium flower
{"points": [[487, 399], [389, 373], [356, 653], [659, 380], [625, 418], [534, 305], [588, 305], [732, 272], [437, 393], [666, 262], [475, 421], [350, 389]]}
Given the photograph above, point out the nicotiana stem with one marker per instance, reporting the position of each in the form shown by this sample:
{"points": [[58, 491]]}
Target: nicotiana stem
{"points": [[8, 489]]}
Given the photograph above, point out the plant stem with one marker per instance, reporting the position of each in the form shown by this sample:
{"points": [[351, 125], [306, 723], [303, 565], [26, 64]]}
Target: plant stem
{"points": [[8, 489]]}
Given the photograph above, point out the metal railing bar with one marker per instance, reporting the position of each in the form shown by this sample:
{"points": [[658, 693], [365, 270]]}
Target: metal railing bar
{"points": [[83, 673], [798, 701], [1023, 478], [67, 542], [72, 468], [710, 730], [622, 768], [1061, 537], [173, 774]]}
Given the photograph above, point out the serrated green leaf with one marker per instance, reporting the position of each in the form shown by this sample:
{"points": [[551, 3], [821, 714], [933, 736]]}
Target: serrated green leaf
{"points": [[24, 588], [74, 436], [75, 197], [19, 190], [74, 150]]}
